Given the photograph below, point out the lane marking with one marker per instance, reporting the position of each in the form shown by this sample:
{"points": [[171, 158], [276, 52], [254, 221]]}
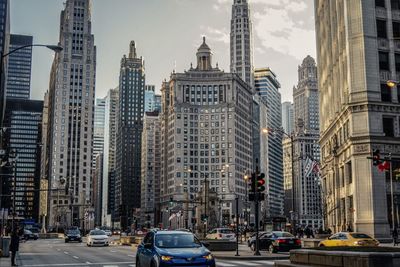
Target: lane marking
{"points": [[224, 264], [66, 252], [244, 263], [76, 257], [130, 255], [88, 262], [265, 262]]}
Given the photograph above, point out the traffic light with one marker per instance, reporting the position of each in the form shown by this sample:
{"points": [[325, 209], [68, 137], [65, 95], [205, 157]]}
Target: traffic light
{"points": [[171, 201], [260, 182], [253, 183], [376, 157]]}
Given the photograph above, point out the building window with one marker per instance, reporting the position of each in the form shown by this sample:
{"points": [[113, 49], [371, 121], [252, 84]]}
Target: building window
{"points": [[349, 173], [383, 61], [396, 29], [388, 128], [381, 28], [380, 3], [395, 4], [386, 95]]}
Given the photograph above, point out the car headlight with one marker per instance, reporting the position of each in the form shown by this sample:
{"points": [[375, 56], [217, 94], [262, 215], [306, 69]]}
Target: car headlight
{"points": [[166, 258], [208, 257]]}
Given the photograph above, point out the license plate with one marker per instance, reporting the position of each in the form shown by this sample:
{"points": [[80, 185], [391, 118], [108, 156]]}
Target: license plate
{"points": [[291, 242]]}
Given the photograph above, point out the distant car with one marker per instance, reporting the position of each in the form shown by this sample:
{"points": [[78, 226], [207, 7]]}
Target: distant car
{"points": [[108, 232], [345, 239], [73, 235], [221, 233], [172, 248], [116, 232], [29, 235], [97, 237], [35, 231], [279, 241]]}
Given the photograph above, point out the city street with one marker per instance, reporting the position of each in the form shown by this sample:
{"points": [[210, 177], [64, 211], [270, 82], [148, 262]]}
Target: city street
{"points": [[53, 253]]}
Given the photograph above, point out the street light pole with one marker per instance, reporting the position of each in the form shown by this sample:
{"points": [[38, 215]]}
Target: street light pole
{"points": [[391, 189]]}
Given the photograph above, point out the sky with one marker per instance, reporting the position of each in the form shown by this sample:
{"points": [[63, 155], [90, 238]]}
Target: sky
{"points": [[167, 34]]}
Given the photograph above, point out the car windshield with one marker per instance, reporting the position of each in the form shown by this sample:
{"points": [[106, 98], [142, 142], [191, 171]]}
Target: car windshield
{"points": [[177, 241], [360, 236], [97, 232], [73, 232], [225, 231], [283, 234]]}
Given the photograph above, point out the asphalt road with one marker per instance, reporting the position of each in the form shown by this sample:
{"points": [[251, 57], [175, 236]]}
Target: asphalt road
{"points": [[55, 253]]}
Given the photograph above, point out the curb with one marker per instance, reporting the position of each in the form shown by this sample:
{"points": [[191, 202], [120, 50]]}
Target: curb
{"points": [[251, 258]]}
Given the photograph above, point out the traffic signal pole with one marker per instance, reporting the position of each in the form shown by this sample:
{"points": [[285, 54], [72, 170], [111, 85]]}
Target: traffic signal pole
{"points": [[257, 215]]}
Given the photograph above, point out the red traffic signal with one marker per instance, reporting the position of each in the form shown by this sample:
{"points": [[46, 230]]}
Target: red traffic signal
{"points": [[376, 157], [261, 182]]}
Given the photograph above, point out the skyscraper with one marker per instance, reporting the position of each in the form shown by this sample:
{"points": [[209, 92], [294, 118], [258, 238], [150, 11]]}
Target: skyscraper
{"points": [[19, 67], [130, 127], [306, 96], [4, 48], [71, 107], [151, 168], [110, 140], [359, 113], [287, 117], [98, 131], [23, 119], [241, 41], [267, 86], [206, 140]]}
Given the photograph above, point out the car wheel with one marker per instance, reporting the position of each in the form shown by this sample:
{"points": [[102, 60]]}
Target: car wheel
{"points": [[271, 249], [66, 241], [321, 246], [253, 247], [137, 262], [152, 264]]}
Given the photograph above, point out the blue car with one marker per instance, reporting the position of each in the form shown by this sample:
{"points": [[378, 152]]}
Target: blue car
{"points": [[172, 248]]}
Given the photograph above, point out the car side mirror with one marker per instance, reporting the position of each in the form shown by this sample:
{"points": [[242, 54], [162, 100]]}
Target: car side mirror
{"points": [[206, 244], [148, 245]]}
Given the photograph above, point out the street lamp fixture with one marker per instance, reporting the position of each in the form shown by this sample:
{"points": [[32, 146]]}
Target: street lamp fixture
{"points": [[392, 83]]}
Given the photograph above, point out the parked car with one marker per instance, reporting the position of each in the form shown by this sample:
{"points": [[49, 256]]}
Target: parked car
{"points": [[279, 241], [97, 237], [35, 231], [172, 248], [221, 233], [29, 235], [251, 242], [73, 235], [345, 239]]}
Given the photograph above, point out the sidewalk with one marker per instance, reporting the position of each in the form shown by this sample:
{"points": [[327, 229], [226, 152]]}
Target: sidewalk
{"points": [[246, 254]]}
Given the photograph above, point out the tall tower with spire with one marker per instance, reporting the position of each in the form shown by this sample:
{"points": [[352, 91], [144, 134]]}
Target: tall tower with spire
{"points": [[242, 41], [130, 127]]}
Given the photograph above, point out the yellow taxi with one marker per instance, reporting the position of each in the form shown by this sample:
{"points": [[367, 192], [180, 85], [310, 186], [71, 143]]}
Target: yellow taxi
{"points": [[345, 239]]}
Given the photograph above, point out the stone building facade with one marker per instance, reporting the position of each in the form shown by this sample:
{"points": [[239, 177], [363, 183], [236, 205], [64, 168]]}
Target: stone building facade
{"points": [[357, 54]]}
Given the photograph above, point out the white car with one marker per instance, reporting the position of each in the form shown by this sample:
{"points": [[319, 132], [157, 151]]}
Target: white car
{"points": [[221, 233], [97, 238]]}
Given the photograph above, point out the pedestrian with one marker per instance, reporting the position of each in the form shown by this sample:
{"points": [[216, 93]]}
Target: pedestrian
{"points": [[349, 228], [14, 246], [395, 236]]}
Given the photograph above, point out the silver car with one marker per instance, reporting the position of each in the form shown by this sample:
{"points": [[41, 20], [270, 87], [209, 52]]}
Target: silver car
{"points": [[97, 238]]}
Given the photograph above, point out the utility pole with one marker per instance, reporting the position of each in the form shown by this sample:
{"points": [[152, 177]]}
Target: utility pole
{"points": [[237, 226]]}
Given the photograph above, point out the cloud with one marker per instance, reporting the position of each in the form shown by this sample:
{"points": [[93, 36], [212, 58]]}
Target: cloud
{"points": [[216, 35], [277, 30]]}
